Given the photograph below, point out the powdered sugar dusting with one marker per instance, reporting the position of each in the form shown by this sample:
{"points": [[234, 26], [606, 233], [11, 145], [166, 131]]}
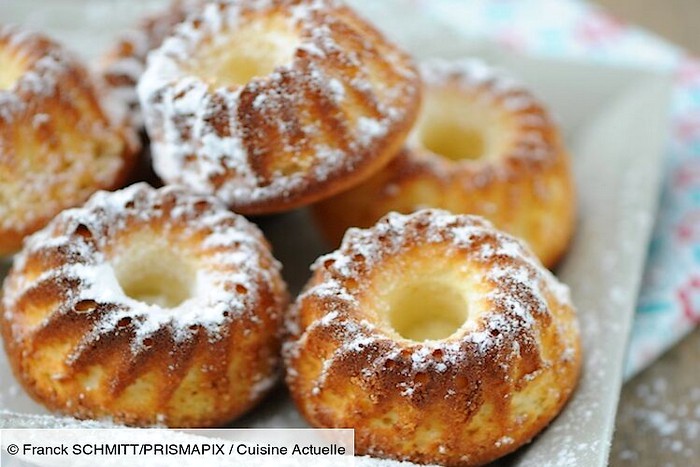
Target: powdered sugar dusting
{"points": [[215, 140], [48, 65], [53, 94], [39, 80], [664, 414], [475, 73], [369, 129], [36, 422], [521, 291], [125, 63], [491, 84], [229, 262]]}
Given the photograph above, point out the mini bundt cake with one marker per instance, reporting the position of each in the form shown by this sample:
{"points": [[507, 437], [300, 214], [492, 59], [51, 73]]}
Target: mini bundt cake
{"points": [[436, 337], [124, 64], [62, 136], [146, 306], [274, 104], [483, 145]]}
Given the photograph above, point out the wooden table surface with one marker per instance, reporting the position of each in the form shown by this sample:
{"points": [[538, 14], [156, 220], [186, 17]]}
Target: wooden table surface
{"points": [[658, 421]]}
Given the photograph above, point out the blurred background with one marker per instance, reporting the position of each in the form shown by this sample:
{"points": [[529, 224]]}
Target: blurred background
{"points": [[658, 421], [677, 20]]}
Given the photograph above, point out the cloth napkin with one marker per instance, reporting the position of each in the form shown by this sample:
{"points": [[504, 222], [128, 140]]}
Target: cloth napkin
{"points": [[669, 303]]}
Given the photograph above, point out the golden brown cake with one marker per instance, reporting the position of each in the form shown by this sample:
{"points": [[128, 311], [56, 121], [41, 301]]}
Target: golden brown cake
{"points": [[123, 64], [436, 337], [62, 136], [146, 306], [274, 104], [483, 145]]}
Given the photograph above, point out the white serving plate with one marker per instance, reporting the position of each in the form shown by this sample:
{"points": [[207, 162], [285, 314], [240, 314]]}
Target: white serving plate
{"points": [[614, 121]]}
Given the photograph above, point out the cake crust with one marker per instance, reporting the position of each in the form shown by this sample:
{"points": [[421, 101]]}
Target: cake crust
{"points": [[466, 399], [149, 307], [318, 102], [62, 135]]}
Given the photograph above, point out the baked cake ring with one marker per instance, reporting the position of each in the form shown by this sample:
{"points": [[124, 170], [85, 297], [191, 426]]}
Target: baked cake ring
{"points": [[62, 135], [439, 339], [274, 104], [147, 307]]}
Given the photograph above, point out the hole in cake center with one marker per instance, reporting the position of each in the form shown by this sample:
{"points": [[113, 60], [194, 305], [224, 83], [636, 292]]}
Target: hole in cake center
{"points": [[453, 139], [155, 275], [10, 71], [255, 49], [427, 311]]}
